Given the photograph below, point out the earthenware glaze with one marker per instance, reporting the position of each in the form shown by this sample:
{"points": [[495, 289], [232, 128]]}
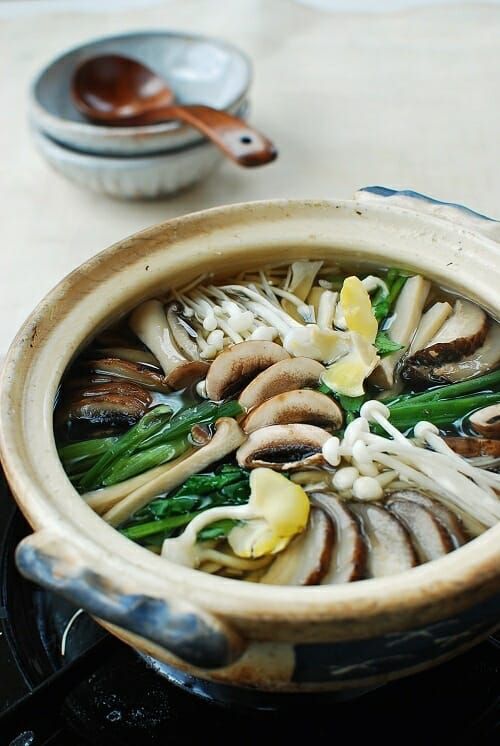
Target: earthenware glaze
{"points": [[216, 630]]}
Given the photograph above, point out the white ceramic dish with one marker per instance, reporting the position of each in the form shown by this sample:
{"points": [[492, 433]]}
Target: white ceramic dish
{"points": [[199, 70], [142, 177]]}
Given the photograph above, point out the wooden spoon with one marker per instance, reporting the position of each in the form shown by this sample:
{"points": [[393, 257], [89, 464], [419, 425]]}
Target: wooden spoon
{"points": [[117, 90]]}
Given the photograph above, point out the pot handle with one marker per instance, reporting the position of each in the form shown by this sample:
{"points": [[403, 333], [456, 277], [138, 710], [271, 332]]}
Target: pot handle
{"points": [[410, 200], [191, 634]]}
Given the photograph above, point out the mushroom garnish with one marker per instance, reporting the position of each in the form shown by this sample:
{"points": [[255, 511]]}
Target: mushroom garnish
{"points": [[323, 345], [486, 421], [303, 405], [444, 515], [232, 369], [113, 411], [285, 375], [143, 375], [484, 359], [348, 558], [406, 318], [132, 354], [429, 537], [149, 322], [228, 436], [473, 447], [307, 558], [283, 447], [430, 323], [300, 283], [277, 510], [390, 549], [463, 332]]}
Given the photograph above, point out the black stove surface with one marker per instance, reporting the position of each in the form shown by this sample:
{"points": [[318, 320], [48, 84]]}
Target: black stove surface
{"points": [[102, 692]]}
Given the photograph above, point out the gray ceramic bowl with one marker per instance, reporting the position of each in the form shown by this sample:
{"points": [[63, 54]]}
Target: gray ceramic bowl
{"points": [[199, 70]]}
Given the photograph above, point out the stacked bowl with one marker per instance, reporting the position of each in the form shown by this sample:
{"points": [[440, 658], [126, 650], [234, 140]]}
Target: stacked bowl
{"points": [[139, 162]]}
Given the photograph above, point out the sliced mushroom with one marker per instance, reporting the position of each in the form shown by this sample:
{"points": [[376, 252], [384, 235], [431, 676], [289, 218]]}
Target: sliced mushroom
{"points": [[463, 332], [349, 549], [484, 359], [228, 436], [106, 413], [131, 354], [472, 447], [283, 447], [307, 557], [486, 421], [110, 388], [430, 538], [304, 405], [234, 367], [182, 332], [430, 323], [286, 375], [301, 281], [186, 374], [444, 515], [390, 550], [124, 369], [407, 315]]}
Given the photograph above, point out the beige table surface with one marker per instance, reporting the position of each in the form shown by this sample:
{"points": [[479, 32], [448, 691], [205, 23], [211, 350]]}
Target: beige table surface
{"points": [[406, 100]]}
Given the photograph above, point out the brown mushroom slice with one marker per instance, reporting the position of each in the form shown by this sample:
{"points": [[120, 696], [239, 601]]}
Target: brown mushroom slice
{"points": [[283, 447], [407, 315], [228, 436], [390, 550], [430, 538], [186, 374], [304, 405], [349, 550], [112, 412], [472, 447], [484, 359], [463, 332], [444, 515], [112, 388], [286, 375], [486, 421], [234, 367], [307, 558], [184, 336], [430, 323], [133, 355], [123, 369]]}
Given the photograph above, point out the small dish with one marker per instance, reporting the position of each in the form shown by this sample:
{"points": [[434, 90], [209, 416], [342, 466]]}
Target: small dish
{"points": [[147, 176], [200, 70]]}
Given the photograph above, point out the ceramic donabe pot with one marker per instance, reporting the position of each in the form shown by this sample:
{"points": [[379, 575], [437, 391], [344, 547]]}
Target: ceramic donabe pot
{"points": [[232, 635]]}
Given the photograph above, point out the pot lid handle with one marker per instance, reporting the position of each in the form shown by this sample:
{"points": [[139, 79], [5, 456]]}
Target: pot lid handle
{"points": [[192, 634], [458, 214]]}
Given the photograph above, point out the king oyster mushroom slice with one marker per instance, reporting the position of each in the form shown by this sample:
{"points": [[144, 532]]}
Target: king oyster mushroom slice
{"points": [[232, 369], [182, 332], [390, 550], [115, 368], [349, 549], [444, 515], [430, 538], [463, 332], [283, 447], [306, 559], [304, 405], [406, 318], [472, 447], [149, 322], [228, 436], [286, 375], [486, 421], [484, 359]]}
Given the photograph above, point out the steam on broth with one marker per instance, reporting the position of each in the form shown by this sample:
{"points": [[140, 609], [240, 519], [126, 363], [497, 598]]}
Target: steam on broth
{"points": [[298, 425]]}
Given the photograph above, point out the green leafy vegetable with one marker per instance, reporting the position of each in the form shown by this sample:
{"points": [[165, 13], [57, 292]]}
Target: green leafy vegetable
{"points": [[385, 345], [351, 405], [217, 530], [382, 302]]}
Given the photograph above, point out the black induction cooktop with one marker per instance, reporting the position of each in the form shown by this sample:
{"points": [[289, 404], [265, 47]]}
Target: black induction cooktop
{"points": [[101, 692]]}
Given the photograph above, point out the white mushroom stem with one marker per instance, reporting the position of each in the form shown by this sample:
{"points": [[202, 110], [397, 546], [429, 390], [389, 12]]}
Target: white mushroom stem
{"points": [[149, 322], [372, 282], [326, 309]]}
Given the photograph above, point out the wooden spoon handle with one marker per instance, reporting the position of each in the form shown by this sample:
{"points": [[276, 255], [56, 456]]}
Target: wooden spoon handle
{"points": [[240, 142]]}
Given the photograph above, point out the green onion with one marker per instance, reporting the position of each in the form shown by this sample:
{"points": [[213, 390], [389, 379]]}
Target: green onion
{"points": [[143, 530], [440, 412], [127, 467], [481, 383]]}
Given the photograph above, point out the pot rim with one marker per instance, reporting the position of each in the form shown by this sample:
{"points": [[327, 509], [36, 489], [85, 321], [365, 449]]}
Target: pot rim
{"points": [[460, 578]]}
